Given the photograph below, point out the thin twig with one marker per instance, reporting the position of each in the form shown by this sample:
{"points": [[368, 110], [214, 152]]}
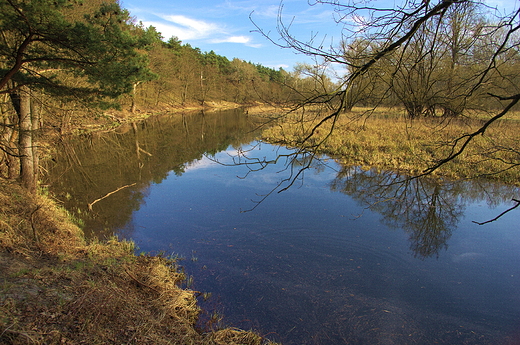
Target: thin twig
{"points": [[108, 194], [501, 214]]}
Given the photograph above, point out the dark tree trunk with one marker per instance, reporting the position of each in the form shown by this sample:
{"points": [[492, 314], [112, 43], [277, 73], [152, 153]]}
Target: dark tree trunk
{"points": [[9, 159]]}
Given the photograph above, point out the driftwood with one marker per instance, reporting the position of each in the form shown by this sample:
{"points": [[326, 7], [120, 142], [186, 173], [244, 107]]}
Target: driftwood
{"points": [[108, 194]]}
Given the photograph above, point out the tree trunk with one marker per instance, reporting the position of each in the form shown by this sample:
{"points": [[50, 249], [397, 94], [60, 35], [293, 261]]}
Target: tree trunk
{"points": [[184, 95], [134, 92], [9, 152], [202, 92], [8, 155], [25, 143], [36, 109]]}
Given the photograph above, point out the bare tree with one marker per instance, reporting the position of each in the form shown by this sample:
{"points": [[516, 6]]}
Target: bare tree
{"points": [[435, 54]]}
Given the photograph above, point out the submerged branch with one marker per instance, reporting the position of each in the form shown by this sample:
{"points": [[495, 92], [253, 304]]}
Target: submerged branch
{"points": [[109, 194]]}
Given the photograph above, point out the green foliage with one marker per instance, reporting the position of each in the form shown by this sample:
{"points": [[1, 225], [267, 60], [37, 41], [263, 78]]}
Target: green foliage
{"points": [[42, 44], [188, 75]]}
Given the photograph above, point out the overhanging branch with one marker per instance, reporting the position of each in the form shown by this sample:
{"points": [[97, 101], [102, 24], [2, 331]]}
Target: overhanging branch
{"points": [[501, 214]]}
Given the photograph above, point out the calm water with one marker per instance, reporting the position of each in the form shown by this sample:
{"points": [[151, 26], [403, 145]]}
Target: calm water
{"points": [[338, 258]]}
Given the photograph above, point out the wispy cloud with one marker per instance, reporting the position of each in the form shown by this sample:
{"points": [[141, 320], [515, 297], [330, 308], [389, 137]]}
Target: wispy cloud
{"points": [[236, 39], [202, 163], [248, 6], [186, 28], [268, 11], [277, 66], [232, 39]]}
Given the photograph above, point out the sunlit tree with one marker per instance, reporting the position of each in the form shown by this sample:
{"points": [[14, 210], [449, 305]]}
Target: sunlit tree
{"points": [[420, 44], [437, 58], [55, 48]]}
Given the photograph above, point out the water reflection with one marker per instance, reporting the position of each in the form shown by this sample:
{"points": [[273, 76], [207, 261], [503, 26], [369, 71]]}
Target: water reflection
{"points": [[325, 262], [428, 209], [136, 155]]}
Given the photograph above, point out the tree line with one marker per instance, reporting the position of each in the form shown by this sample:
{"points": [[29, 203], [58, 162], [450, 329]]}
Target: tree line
{"points": [[62, 59], [437, 59], [187, 75]]}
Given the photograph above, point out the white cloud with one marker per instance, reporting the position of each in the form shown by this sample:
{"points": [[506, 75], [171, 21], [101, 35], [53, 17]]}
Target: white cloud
{"points": [[277, 66], [185, 28], [202, 163], [236, 39], [232, 39]]}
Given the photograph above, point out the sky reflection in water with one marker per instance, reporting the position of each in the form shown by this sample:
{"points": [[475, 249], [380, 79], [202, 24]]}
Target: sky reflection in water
{"points": [[343, 256], [313, 264]]}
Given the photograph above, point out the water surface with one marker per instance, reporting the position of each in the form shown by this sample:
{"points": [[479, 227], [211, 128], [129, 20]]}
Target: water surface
{"points": [[341, 257]]}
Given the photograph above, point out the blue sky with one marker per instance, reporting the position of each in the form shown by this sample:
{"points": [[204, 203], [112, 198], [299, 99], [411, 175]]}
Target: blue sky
{"points": [[224, 26]]}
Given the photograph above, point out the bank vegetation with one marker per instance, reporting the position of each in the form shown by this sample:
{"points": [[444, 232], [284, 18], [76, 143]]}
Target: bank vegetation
{"points": [[58, 288], [387, 139], [66, 67]]}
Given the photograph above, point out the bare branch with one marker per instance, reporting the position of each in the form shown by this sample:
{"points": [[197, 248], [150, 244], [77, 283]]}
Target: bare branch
{"points": [[501, 214], [109, 194]]}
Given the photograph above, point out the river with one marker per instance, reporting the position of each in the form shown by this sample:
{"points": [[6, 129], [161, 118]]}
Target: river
{"points": [[342, 256]]}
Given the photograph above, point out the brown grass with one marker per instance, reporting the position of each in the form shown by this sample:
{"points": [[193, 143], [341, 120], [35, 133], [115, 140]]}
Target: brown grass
{"points": [[55, 288], [387, 140]]}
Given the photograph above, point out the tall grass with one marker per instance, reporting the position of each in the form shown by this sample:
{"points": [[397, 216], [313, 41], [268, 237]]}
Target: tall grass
{"points": [[387, 139]]}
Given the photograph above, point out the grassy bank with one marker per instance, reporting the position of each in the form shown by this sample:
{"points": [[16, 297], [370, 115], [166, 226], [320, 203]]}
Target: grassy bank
{"points": [[386, 139], [57, 288]]}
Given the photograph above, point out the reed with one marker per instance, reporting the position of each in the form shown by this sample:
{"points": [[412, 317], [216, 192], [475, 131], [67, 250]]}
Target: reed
{"points": [[386, 139]]}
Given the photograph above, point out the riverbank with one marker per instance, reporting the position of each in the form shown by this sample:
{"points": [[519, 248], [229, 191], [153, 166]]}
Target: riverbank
{"points": [[110, 119], [58, 288], [386, 139]]}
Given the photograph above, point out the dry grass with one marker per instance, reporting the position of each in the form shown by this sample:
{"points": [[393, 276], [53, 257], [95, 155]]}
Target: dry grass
{"points": [[57, 289], [387, 140]]}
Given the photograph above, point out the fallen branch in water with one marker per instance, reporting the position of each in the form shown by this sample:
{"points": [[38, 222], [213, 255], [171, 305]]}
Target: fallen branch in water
{"points": [[108, 194], [501, 214]]}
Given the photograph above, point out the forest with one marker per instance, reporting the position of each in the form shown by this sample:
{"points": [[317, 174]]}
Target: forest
{"points": [[61, 61], [64, 61]]}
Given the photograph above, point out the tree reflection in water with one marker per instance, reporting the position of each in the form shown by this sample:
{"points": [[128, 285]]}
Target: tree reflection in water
{"points": [[87, 168], [428, 209]]}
